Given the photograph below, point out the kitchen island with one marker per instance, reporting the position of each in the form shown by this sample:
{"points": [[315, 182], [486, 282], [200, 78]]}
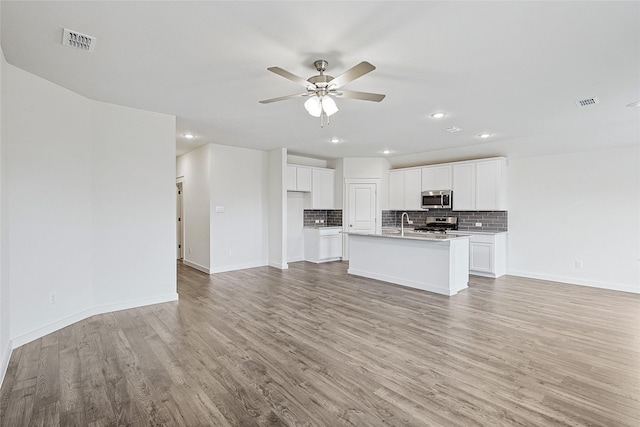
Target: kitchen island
{"points": [[432, 262]]}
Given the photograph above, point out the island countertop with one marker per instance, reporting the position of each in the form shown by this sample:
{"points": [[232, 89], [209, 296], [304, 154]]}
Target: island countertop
{"points": [[414, 235]]}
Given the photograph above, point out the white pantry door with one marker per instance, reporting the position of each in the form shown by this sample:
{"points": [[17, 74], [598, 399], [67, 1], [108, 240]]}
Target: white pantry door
{"points": [[362, 210]]}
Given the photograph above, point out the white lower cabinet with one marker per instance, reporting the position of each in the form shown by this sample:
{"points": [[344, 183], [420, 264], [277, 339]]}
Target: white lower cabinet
{"points": [[487, 254], [322, 244]]}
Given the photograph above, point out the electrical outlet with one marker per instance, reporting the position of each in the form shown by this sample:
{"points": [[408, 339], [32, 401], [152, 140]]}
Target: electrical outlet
{"points": [[579, 263], [52, 298], [231, 253], [317, 221], [322, 221], [409, 222], [189, 250], [478, 224]]}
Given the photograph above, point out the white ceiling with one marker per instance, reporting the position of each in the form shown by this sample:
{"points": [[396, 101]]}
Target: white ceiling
{"points": [[513, 69]]}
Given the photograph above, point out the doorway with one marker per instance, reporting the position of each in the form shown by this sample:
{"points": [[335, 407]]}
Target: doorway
{"points": [[179, 222], [362, 202]]}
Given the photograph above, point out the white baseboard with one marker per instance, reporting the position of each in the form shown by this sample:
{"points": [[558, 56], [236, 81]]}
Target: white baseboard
{"points": [[5, 355], [279, 266], [403, 282], [574, 281], [196, 266], [62, 323], [234, 267]]}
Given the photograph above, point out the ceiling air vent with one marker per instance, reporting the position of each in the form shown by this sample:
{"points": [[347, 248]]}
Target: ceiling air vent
{"points": [[78, 40], [587, 101], [453, 129]]}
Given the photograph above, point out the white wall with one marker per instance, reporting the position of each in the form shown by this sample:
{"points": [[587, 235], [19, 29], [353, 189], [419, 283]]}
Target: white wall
{"points": [[278, 208], [133, 191], [306, 161], [239, 184], [295, 225], [338, 166], [89, 207], [5, 349], [194, 167], [49, 201], [370, 168], [577, 207]]}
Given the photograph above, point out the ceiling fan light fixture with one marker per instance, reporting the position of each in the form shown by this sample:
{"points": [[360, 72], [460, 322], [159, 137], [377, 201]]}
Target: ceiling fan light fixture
{"points": [[329, 105], [313, 105]]}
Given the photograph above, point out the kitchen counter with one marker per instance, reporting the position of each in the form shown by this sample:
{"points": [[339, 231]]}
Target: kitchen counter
{"points": [[471, 232], [436, 264]]}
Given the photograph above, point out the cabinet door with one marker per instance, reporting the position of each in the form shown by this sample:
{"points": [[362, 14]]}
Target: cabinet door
{"points": [[322, 188], [330, 247], [481, 256], [412, 190], [396, 190], [464, 188], [291, 178], [436, 178], [489, 185], [443, 177], [303, 179]]}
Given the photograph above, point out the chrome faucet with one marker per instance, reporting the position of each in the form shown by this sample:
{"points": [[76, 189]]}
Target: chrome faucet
{"points": [[402, 222]]}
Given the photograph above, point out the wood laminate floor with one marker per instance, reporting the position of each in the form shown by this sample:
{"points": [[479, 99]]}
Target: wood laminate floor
{"points": [[315, 346]]}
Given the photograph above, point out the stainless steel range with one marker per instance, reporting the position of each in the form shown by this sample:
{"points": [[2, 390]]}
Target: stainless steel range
{"points": [[439, 224]]}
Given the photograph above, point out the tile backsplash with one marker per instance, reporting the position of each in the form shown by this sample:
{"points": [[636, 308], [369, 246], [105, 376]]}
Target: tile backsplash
{"points": [[331, 218], [492, 221]]}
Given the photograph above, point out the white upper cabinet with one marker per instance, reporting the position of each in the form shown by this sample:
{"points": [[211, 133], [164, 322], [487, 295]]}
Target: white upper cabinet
{"points": [[396, 190], [322, 189], [413, 190], [298, 178], [464, 184], [437, 178], [480, 185], [405, 187], [491, 189], [476, 185]]}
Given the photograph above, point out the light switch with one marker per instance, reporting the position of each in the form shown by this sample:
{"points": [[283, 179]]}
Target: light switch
{"points": [[219, 209]]}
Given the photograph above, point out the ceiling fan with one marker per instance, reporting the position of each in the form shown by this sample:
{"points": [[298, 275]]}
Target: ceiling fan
{"points": [[321, 88]]}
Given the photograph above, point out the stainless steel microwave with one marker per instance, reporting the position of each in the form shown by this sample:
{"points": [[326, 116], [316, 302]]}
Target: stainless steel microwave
{"points": [[436, 199]]}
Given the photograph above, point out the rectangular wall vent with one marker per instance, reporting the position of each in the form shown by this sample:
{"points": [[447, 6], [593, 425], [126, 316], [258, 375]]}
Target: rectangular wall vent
{"points": [[586, 102], [78, 40]]}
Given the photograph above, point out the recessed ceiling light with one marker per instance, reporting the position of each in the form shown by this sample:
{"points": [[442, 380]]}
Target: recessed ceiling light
{"points": [[334, 140], [386, 152], [453, 129], [484, 135], [189, 135], [634, 104], [438, 115]]}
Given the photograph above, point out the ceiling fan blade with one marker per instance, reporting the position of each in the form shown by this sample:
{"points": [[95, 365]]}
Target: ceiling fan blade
{"points": [[282, 98], [365, 96], [351, 74], [290, 76]]}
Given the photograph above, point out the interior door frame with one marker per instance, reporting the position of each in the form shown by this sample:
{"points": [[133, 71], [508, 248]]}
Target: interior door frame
{"points": [[180, 187], [345, 210]]}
